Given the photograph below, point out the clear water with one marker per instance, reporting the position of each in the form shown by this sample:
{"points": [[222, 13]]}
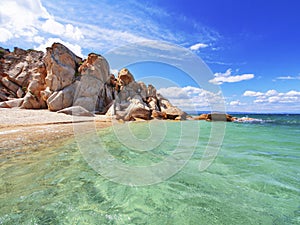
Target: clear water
{"points": [[255, 179]]}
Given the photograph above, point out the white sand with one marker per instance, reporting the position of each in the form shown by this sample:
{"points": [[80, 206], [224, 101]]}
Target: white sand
{"points": [[15, 117], [23, 129]]}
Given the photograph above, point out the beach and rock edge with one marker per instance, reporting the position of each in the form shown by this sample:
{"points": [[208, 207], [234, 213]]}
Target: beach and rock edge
{"points": [[60, 81]]}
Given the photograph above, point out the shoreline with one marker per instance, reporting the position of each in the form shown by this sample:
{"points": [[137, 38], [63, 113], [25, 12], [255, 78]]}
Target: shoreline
{"points": [[23, 130]]}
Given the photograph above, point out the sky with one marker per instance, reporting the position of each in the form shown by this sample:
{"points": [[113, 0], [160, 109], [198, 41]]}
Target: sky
{"points": [[251, 47]]}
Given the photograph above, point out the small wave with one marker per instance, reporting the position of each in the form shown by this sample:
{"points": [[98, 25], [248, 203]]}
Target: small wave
{"points": [[250, 120], [275, 121]]}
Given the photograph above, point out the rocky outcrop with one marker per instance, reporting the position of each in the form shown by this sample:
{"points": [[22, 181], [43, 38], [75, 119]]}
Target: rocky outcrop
{"points": [[61, 66], [172, 112], [215, 117], [33, 97], [22, 75], [136, 100], [61, 81], [93, 91], [124, 77]]}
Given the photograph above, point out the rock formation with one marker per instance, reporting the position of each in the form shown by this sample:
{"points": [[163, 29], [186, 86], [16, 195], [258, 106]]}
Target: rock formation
{"points": [[58, 79], [22, 78], [215, 117]]}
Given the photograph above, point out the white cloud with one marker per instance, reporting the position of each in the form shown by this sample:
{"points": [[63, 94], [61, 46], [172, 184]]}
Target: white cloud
{"points": [[114, 72], [69, 31], [235, 103], [53, 27], [252, 93], [288, 78], [192, 98], [29, 20], [271, 93], [73, 32], [73, 47], [22, 18], [274, 97], [5, 35], [198, 46], [221, 78], [293, 93], [38, 39]]}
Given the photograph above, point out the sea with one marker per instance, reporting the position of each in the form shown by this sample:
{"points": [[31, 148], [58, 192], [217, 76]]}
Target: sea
{"points": [[160, 172]]}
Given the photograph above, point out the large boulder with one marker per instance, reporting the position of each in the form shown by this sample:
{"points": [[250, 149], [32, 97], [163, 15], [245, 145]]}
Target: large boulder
{"points": [[59, 100], [61, 64], [92, 88], [130, 102], [215, 116], [14, 103], [159, 115], [172, 112], [10, 85], [219, 117], [138, 113], [96, 66], [33, 98], [201, 117], [124, 77]]}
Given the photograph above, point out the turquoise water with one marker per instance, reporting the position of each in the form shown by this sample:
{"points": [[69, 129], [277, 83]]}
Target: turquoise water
{"points": [[255, 179]]}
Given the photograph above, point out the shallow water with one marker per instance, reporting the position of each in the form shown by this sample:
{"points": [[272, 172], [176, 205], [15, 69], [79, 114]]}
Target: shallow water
{"points": [[255, 179]]}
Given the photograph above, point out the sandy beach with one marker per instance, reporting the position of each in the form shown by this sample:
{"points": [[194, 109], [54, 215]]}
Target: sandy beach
{"points": [[22, 129]]}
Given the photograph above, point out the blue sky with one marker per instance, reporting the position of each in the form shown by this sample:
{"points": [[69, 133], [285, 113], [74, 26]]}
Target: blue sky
{"points": [[251, 47]]}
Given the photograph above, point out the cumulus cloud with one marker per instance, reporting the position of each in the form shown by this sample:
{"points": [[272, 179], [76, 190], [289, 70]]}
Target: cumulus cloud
{"points": [[192, 98], [29, 19], [198, 46], [273, 96], [5, 35], [53, 27], [21, 19], [221, 78], [235, 103], [252, 93]]}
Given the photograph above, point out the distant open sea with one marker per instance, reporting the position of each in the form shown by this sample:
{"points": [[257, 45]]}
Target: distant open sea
{"points": [[255, 179]]}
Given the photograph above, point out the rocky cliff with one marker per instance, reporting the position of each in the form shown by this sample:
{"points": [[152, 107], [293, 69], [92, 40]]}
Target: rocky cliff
{"points": [[58, 79]]}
